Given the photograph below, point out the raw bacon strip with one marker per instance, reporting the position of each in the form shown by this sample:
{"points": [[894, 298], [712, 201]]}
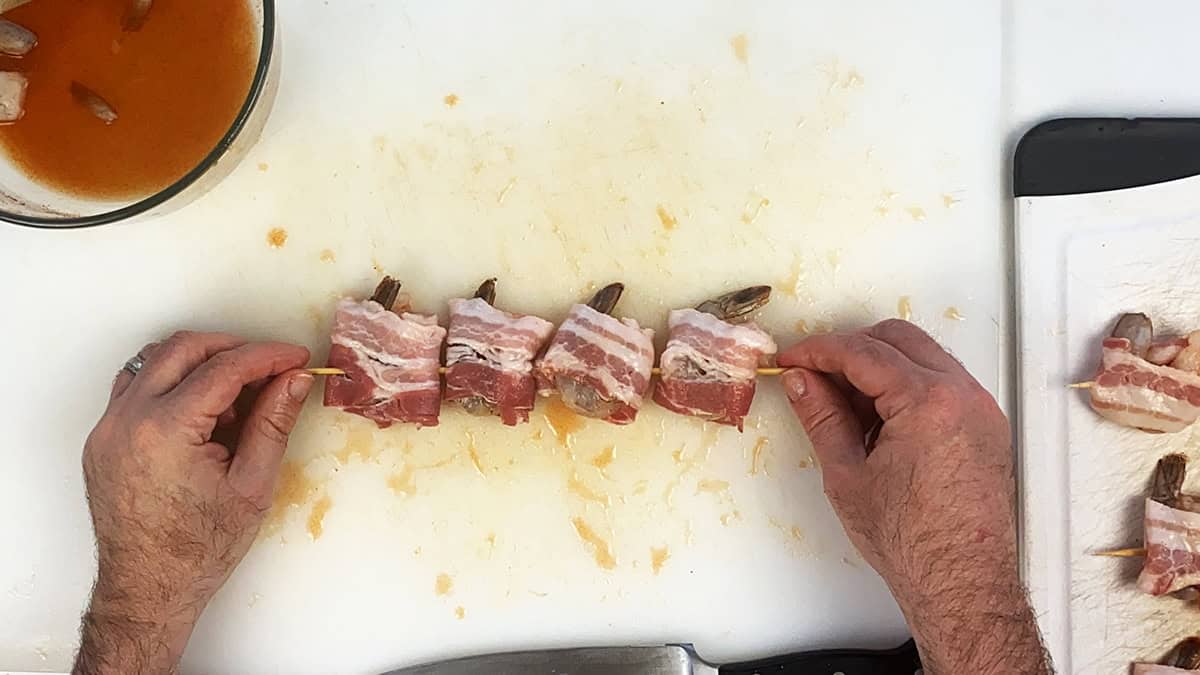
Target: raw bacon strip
{"points": [[709, 366], [610, 359], [489, 358], [391, 363], [1132, 391], [1172, 549]]}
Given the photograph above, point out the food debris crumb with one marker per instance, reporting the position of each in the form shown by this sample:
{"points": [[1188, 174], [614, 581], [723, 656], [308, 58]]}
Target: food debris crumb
{"points": [[277, 237], [263, 166], [450, 100], [328, 256], [953, 314], [713, 485], [916, 213], [505, 190], [904, 308], [754, 206], [949, 201], [444, 584], [473, 455], [756, 455], [741, 46], [460, 613]]}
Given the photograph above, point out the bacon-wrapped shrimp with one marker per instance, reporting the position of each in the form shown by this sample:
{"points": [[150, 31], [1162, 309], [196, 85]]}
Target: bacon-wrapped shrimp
{"points": [[489, 357], [390, 357], [598, 364], [709, 366], [1147, 385]]}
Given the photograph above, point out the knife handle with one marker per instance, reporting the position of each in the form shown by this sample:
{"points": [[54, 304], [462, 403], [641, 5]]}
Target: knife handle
{"points": [[903, 660]]}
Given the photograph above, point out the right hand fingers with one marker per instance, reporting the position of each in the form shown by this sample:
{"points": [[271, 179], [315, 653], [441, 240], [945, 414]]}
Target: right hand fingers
{"points": [[169, 362], [871, 366], [828, 418]]}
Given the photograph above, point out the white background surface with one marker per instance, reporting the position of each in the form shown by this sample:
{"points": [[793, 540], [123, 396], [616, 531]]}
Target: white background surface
{"points": [[833, 112]]}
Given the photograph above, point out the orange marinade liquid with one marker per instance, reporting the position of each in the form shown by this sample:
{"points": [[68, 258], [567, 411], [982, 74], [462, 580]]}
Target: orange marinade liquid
{"points": [[176, 85]]}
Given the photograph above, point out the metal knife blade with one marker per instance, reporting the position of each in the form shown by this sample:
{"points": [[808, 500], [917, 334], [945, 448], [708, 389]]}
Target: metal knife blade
{"points": [[676, 660], [668, 660]]}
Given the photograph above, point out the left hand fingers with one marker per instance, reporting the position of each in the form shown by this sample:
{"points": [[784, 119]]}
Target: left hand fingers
{"points": [[214, 386], [125, 377], [265, 434], [172, 360]]}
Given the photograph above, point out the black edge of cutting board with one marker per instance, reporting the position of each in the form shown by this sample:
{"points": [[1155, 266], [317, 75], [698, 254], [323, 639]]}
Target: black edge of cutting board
{"points": [[1095, 154]]}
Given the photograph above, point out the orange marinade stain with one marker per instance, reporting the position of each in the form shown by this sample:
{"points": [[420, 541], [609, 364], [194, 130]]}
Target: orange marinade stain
{"points": [[277, 237], [601, 549], [563, 421], [316, 517], [669, 222], [658, 558], [450, 100], [741, 46]]}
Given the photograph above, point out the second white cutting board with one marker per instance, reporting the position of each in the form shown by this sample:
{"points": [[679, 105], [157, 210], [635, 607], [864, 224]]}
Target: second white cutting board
{"points": [[847, 153]]}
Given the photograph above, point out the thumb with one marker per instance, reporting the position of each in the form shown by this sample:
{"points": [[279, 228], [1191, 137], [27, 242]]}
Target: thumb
{"points": [[830, 422], [265, 435]]}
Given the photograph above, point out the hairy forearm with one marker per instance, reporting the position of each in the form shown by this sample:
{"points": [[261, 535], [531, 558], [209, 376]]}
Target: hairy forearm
{"points": [[121, 635], [974, 618]]}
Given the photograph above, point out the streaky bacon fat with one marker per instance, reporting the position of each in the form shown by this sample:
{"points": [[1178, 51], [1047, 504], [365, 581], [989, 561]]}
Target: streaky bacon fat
{"points": [[391, 362], [489, 358], [1134, 392], [709, 367], [599, 353]]}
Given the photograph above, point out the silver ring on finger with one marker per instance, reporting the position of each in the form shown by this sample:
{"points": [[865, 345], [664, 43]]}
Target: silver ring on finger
{"points": [[134, 366]]}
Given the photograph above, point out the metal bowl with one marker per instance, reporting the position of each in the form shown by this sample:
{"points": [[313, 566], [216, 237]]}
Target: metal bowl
{"points": [[25, 202]]}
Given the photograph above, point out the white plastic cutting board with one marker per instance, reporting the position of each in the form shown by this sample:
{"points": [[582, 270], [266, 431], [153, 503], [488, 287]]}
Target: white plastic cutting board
{"points": [[1082, 261], [847, 153]]}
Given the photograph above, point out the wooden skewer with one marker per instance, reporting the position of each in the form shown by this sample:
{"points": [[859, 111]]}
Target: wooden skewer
{"points": [[1122, 553], [767, 372], [1081, 385]]}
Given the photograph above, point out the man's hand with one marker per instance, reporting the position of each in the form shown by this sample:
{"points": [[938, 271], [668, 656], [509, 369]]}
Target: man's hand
{"points": [[179, 473], [917, 461]]}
